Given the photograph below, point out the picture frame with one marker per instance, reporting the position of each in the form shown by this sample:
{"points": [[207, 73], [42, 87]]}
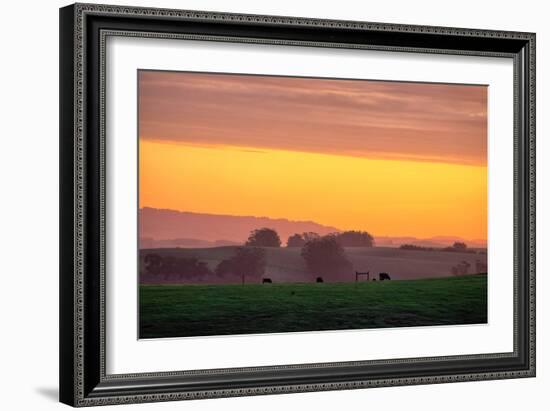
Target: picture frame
{"points": [[84, 82]]}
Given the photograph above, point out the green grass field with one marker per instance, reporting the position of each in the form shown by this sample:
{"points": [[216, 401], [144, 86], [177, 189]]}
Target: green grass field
{"points": [[198, 310]]}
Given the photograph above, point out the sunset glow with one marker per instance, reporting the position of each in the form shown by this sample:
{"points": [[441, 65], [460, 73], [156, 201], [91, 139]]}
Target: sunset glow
{"points": [[394, 159]]}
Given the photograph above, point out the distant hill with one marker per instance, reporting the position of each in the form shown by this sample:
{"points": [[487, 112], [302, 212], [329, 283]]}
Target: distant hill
{"points": [[148, 242], [169, 228], [161, 228]]}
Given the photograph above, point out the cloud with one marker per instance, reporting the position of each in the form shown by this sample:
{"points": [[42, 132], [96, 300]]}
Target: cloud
{"points": [[418, 121]]}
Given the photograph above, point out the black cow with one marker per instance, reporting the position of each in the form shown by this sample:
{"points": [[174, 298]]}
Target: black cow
{"points": [[384, 276], [319, 279], [266, 281]]}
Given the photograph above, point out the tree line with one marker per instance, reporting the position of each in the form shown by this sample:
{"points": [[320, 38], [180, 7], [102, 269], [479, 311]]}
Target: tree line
{"points": [[323, 256], [268, 237], [246, 261], [457, 247]]}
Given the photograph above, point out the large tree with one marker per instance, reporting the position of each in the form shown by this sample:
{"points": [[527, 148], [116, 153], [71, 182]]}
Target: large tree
{"points": [[246, 262], [263, 237], [354, 239], [225, 268], [460, 246], [295, 240], [299, 240], [326, 258], [153, 263], [310, 235], [172, 267]]}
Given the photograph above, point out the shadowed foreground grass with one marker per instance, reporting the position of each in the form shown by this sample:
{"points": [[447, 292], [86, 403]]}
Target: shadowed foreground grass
{"points": [[194, 310]]}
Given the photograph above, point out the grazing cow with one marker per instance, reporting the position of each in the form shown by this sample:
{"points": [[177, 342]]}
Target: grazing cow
{"points": [[266, 281], [384, 276], [319, 279]]}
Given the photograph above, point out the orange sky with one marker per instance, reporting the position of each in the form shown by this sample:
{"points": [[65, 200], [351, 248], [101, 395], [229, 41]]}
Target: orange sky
{"points": [[391, 158]]}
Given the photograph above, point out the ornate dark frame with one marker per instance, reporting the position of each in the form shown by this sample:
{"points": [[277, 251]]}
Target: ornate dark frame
{"points": [[83, 31]]}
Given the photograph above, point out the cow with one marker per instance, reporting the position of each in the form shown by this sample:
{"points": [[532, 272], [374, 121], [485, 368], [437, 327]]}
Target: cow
{"points": [[384, 276], [266, 281], [319, 280]]}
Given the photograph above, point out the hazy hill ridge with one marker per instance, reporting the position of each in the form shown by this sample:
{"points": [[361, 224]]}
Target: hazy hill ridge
{"points": [[161, 228], [161, 224]]}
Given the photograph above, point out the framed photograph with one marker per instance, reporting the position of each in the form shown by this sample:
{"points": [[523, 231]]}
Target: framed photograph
{"points": [[261, 204]]}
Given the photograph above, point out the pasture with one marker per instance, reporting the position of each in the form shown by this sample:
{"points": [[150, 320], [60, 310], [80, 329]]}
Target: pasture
{"points": [[285, 265], [200, 310]]}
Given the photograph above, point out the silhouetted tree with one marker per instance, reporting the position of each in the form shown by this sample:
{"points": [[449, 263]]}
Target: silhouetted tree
{"points": [[415, 247], [224, 268], [299, 240], [459, 246], [192, 267], [295, 240], [310, 235], [325, 257], [354, 239], [175, 267], [263, 237], [247, 262], [153, 263], [461, 268], [169, 266]]}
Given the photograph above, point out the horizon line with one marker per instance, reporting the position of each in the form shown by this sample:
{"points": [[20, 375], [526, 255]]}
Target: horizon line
{"points": [[320, 224]]}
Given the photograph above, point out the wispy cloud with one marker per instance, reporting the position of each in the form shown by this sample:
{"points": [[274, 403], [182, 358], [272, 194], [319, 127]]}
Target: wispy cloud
{"points": [[400, 120]]}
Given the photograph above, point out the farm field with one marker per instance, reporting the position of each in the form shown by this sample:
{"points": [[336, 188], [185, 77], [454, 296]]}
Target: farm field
{"points": [[286, 265], [200, 310]]}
